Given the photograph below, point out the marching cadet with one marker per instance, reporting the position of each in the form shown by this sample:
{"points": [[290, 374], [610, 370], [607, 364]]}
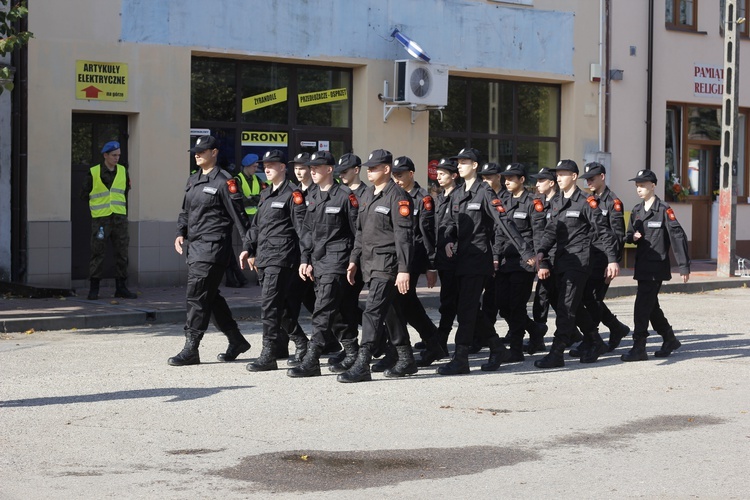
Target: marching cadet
{"points": [[596, 287], [383, 247], [575, 220], [327, 241], [514, 280], [347, 169], [273, 251], [423, 262], [212, 204], [654, 229], [475, 216]]}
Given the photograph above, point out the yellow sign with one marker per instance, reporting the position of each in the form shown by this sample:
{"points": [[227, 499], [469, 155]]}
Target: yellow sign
{"points": [[321, 97], [262, 100], [267, 139], [101, 81]]}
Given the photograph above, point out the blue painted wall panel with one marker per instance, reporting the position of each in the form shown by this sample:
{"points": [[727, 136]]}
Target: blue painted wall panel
{"points": [[462, 34]]}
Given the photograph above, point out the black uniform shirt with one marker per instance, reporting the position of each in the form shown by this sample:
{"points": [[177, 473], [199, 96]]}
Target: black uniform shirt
{"points": [[212, 203], [613, 218], [275, 230], [520, 210], [539, 220], [424, 230], [360, 190], [574, 223], [476, 214], [329, 229], [384, 243], [659, 231], [442, 216]]}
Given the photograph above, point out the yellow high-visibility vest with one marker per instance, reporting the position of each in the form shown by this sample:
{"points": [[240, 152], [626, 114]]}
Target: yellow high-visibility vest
{"points": [[249, 190], [103, 201]]}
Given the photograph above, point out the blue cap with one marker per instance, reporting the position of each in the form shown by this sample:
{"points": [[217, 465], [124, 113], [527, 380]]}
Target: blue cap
{"points": [[110, 146], [249, 159]]}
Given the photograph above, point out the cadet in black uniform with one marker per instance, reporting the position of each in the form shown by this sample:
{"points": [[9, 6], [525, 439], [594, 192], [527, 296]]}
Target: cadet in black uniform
{"points": [[273, 251], [475, 216], [423, 262], [212, 204], [654, 229], [383, 247], [326, 244], [347, 169], [575, 221]]}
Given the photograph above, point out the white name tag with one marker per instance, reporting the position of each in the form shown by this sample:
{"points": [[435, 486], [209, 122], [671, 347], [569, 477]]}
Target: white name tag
{"points": [[654, 223], [383, 210], [209, 190], [333, 210], [416, 211], [474, 206], [605, 212], [573, 213], [548, 216], [520, 215], [277, 204]]}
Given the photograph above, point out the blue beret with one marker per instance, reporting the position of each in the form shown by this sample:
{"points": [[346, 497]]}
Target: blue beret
{"points": [[249, 159], [110, 146]]}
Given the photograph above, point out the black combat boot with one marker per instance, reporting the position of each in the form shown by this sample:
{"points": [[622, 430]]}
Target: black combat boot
{"points": [[266, 361], [670, 344], [237, 345], [388, 361], [189, 354], [122, 292], [310, 366], [300, 348], [459, 364], [555, 358], [350, 356], [575, 338], [598, 347], [515, 352], [93, 289], [281, 346], [433, 351], [617, 332], [360, 370], [580, 349], [405, 364], [638, 352], [498, 355], [536, 337]]}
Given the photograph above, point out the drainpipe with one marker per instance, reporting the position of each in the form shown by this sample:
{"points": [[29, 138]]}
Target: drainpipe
{"points": [[603, 76], [608, 56], [18, 162], [650, 84]]}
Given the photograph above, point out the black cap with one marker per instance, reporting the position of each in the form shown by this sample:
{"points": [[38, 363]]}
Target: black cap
{"points": [[203, 143], [321, 158], [448, 165], [490, 169], [302, 158], [567, 165], [514, 169], [467, 154], [349, 160], [644, 176], [377, 157], [273, 155], [546, 173], [592, 169], [402, 164]]}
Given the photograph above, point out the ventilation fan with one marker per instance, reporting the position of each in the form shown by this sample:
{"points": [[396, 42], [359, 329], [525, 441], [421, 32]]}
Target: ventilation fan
{"points": [[420, 83]]}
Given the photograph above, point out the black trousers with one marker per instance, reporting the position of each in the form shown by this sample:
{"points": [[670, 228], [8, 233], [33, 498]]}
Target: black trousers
{"points": [[448, 303], [647, 309], [299, 292], [329, 313], [513, 291], [471, 320], [204, 301], [414, 312], [544, 296], [275, 283], [115, 229], [570, 285], [380, 307]]}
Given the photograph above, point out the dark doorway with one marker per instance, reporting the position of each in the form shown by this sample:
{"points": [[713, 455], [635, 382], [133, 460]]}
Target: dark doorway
{"points": [[89, 133]]}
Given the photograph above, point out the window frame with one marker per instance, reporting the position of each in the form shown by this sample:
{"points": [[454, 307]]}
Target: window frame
{"points": [[674, 24]]}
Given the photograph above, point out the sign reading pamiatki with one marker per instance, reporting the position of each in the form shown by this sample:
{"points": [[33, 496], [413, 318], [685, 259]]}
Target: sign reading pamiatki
{"points": [[708, 80]]}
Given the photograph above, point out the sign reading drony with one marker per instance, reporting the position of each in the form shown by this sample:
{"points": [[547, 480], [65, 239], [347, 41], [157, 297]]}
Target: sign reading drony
{"points": [[265, 139], [708, 80], [101, 81]]}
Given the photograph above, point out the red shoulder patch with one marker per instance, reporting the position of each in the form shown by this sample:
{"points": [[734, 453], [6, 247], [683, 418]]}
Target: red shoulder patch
{"points": [[353, 200], [298, 198], [232, 185], [403, 208], [538, 206], [618, 205], [498, 205], [671, 215], [427, 202], [592, 202]]}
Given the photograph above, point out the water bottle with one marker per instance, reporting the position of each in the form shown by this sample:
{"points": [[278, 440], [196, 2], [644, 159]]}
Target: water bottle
{"points": [[100, 234]]}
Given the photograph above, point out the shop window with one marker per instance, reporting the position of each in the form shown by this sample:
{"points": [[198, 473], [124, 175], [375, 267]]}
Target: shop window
{"points": [[455, 116], [213, 90], [264, 92], [324, 97], [682, 14], [491, 107]]}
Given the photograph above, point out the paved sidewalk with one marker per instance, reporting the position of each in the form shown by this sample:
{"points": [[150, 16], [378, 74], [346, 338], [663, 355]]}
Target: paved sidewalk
{"points": [[157, 305]]}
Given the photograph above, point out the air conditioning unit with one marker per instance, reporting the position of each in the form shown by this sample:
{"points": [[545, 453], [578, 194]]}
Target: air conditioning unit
{"points": [[420, 83]]}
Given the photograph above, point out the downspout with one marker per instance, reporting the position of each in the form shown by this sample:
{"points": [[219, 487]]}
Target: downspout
{"points": [[18, 172], [607, 88], [650, 84], [602, 76]]}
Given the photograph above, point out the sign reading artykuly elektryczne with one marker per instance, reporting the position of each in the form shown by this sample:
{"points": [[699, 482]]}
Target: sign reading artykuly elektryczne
{"points": [[101, 81]]}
